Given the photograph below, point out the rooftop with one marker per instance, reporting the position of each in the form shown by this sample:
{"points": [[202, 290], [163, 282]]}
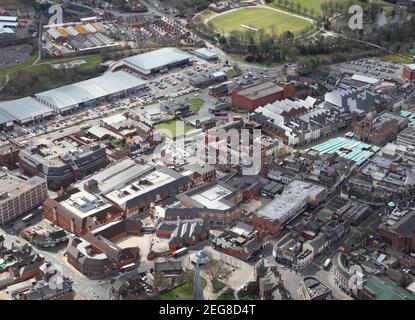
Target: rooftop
{"points": [[85, 91], [260, 90], [206, 53], [85, 204], [294, 196], [25, 108], [11, 186], [148, 61], [211, 198]]}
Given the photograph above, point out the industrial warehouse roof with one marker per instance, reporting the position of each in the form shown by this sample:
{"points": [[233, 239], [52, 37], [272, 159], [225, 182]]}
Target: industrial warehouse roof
{"points": [[157, 59], [24, 109], [81, 92], [4, 119], [206, 53]]}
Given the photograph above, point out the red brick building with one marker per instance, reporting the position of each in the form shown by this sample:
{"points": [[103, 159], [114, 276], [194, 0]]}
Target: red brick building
{"points": [[260, 94], [401, 235], [409, 72], [9, 154], [67, 214]]}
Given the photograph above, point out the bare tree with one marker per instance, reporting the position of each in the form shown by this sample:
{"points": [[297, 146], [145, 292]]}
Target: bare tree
{"points": [[215, 269]]}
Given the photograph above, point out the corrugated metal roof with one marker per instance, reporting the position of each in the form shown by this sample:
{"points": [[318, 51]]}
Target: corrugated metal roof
{"points": [[145, 62], [81, 92], [22, 109]]}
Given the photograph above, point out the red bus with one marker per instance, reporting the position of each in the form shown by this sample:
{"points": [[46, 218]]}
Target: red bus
{"points": [[180, 252]]}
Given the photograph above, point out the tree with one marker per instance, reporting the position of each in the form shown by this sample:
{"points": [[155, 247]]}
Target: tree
{"points": [[217, 268], [18, 226], [299, 6]]}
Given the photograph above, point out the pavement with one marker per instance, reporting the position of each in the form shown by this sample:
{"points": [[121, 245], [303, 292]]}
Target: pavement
{"points": [[91, 289]]}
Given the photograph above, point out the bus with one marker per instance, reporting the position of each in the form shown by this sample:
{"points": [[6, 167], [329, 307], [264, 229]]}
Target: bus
{"points": [[27, 218], [128, 267], [327, 264], [180, 252]]}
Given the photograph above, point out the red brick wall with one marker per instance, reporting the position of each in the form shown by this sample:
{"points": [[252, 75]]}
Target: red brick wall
{"points": [[408, 74], [242, 102], [401, 244], [164, 234], [289, 90], [265, 227], [62, 221]]}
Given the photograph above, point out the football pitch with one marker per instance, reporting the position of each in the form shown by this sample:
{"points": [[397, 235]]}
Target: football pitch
{"points": [[256, 19]]}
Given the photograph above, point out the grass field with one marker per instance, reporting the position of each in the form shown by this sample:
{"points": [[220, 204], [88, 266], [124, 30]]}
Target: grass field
{"points": [[171, 127], [195, 104], [257, 19], [311, 4], [396, 59], [185, 291], [227, 295]]}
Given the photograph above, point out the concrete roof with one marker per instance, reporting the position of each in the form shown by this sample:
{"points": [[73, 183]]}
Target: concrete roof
{"points": [[145, 62], [285, 206]]}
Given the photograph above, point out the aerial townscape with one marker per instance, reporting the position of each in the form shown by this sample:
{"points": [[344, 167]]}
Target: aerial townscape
{"points": [[207, 150]]}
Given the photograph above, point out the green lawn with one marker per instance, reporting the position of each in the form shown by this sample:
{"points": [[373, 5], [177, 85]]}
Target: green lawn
{"points": [[233, 73], [396, 59], [92, 61], [206, 14], [310, 4], [195, 104], [259, 19], [227, 295], [217, 285], [171, 128], [185, 291]]}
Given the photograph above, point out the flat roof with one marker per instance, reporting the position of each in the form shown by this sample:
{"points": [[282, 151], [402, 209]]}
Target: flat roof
{"points": [[211, 198], [118, 175], [366, 79], [411, 66], [260, 90], [84, 204], [11, 186], [24, 109], [284, 206], [102, 132], [84, 91], [146, 183], [206, 53], [157, 59]]}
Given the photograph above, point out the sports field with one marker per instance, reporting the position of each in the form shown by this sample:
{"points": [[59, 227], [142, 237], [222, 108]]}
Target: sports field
{"points": [[256, 19], [311, 4]]}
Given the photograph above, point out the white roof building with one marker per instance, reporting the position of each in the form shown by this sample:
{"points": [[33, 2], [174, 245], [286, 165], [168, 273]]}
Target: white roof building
{"points": [[150, 62], [71, 96]]}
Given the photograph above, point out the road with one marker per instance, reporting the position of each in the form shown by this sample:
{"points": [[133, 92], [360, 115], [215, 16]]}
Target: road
{"points": [[89, 288]]}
